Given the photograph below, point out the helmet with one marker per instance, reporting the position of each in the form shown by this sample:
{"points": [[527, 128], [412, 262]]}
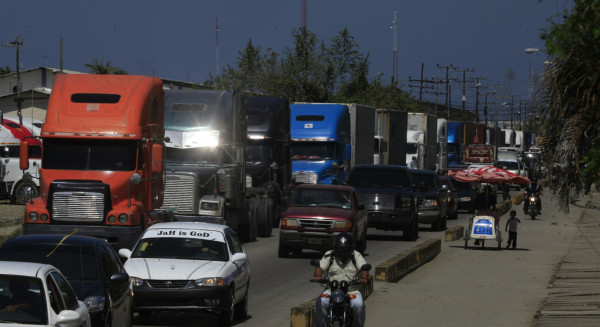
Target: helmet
{"points": [[342, 245]]}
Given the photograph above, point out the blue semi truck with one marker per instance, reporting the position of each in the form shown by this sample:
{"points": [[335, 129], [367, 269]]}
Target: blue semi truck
{"points": [[328, 140], [455, 143]]}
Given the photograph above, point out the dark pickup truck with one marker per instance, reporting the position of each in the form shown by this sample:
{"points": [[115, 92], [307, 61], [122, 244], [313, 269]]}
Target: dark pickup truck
{"points": [[389, 197]]}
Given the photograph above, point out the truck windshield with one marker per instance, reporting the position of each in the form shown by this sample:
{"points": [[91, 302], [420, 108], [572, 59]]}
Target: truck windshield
{"points": [[411, 148], [510, 165], [204, 155], [258, 152], [315, 197], [313, 151], [89, 154], [379, 177]]}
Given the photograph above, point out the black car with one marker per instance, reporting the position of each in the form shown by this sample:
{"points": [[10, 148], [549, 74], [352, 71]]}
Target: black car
{"points": [[433, 198], [466, 195], [91, 266]]}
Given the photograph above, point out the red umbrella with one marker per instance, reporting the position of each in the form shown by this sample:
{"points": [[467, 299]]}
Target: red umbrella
{"points": [[488, 174]]}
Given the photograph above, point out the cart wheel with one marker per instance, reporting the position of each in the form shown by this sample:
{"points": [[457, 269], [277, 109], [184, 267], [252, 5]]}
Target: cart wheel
{"points": [[482, 243], [499, 245], [466, 244]]}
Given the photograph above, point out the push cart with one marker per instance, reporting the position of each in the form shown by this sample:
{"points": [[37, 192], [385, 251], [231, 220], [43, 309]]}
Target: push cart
{"points": [[482, 228]]}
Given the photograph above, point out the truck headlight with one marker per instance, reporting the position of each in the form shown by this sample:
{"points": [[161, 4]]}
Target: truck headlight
{"points": [[248, 181], [33, 216], [211, 206], [286, 222], [123, 218]]}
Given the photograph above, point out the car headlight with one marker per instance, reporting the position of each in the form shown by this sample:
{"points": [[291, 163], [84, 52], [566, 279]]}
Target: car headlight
{"points": [[212, 281], [430, 203], [248, 181], [465, 199], [94, 303], [136, 282], [405, 202]]}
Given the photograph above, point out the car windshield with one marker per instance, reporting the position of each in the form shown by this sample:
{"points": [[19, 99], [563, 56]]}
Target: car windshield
{"points": [[181, 248], [315, 197], [428, 179], [19, 290], [379, 177], [74, 261]]}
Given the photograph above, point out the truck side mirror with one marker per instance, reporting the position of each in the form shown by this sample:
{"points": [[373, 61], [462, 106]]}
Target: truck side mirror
{"points": [[24, 155], [157, 158]]}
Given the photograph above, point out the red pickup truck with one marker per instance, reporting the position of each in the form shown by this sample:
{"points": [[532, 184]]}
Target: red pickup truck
{"points": [[316, 214]]}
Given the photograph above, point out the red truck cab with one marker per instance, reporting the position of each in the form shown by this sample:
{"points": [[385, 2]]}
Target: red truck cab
{"points": [[316, 213]]}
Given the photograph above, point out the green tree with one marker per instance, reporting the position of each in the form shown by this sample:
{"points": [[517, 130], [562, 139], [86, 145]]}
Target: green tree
{"points": [[568, 97], [99, 67], [5, 70]]}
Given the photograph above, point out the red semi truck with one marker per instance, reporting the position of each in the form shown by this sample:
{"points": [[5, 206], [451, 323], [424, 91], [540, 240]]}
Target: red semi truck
{"points": [[102, 158]]}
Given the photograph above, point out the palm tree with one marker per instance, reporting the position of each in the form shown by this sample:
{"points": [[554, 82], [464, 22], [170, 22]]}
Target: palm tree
{"points": [[568, 98], [99, 67]]}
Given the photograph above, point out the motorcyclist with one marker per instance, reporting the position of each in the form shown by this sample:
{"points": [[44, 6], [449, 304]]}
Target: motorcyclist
{"points": [[341, 264], [531, 189]]}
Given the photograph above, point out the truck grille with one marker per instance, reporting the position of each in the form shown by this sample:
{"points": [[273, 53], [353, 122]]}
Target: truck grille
{"points": [[82, 206], [180, 194], [168, 283], [305, 177], [316, 223], [378, 201]]}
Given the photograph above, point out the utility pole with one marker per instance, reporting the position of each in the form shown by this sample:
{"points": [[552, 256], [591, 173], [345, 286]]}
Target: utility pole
{"points": [[447, 81], [394, 28], [17, 43], [303, 13], [464, 93], [477, 86], [217, 46]]}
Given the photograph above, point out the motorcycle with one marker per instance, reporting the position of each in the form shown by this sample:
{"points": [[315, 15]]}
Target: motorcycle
{"points": [[339, 312], [532, 206]]}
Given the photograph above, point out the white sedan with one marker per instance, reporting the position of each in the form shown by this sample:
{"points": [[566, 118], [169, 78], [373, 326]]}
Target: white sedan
{"points": [[35, 294], [189, 266]]}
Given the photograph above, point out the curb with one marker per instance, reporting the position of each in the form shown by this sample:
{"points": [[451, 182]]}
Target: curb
{"points": [[454, 233]]}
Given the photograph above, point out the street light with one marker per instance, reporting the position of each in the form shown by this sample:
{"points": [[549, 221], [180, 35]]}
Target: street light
{"points": [[531, 51]]}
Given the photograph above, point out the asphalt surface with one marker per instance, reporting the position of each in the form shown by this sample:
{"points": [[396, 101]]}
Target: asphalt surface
{"points": [[552, 278]]}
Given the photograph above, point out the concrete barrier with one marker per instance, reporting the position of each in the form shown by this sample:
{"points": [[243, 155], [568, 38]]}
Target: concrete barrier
{"points": [[454, 233], [396, 267]]}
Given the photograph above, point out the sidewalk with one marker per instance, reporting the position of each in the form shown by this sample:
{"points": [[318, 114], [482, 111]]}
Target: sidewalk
{"points": [[466, 287]]}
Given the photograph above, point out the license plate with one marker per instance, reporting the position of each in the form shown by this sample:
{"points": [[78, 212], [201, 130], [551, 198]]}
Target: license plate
{"points": [[314, 241]]}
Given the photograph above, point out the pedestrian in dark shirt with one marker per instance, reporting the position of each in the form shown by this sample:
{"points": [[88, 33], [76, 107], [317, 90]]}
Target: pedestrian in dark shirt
{"points": [[512, 225]]}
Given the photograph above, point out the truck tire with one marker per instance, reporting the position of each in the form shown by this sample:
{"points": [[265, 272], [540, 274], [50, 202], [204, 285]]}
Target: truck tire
{"points": [[411, 233], [283, 251], [265, 217], [247, 227], [25, 191]]}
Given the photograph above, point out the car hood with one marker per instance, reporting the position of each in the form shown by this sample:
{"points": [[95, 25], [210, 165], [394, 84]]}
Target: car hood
{"points": [[159, 269], [428, 195], [319, 212], [87, 288], [360, 189]]}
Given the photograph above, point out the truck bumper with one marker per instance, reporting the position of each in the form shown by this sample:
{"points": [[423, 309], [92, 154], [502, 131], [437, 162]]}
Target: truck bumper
{"points": [[308, 240], [117, 236], [392, 220]]}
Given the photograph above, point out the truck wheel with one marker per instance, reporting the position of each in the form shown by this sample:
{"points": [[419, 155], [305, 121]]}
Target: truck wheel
{"points": [[25, 191], [265, 224], [411, 233], [247, 227]]}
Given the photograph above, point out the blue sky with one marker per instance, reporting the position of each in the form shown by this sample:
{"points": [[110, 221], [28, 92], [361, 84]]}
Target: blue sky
{"points": [[175, 39]]}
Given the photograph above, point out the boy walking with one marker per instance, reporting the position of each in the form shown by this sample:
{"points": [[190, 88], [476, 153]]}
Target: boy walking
{"points": [[512, 226]]}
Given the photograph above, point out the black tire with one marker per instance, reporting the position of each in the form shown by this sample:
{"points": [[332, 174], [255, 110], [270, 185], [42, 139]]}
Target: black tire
{"points": [[482, 244], [241, 308], [265, 219], [226, 317], [466, 244], [411, 233], [437, 226], [361, 246], [25, 191], [283, 251], [247, 228], [144, 317], [336, 323]]}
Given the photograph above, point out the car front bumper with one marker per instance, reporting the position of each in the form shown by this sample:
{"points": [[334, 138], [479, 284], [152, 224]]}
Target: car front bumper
{"points": [[429, 215], [182, 299]]}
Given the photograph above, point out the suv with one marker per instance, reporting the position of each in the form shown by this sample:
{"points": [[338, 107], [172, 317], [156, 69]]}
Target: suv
{"points": [[92, 267], [387, 192], [316, 213], [433, 199]]}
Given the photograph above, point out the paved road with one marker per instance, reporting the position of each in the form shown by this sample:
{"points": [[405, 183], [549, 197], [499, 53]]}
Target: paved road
{"points": [[488, 287]]}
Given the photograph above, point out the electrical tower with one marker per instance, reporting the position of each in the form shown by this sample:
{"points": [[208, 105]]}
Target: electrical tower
{"points": [[394, 28]]}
